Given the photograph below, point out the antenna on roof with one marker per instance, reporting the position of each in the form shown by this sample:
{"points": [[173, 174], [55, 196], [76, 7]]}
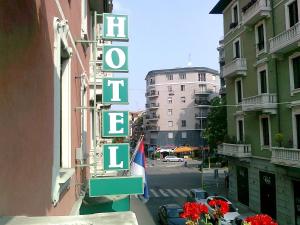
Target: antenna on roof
{"points": [[190, 60]]}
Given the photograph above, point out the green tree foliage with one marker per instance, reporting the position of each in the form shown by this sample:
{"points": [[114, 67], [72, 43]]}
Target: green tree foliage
{"points": [[216, 129]]}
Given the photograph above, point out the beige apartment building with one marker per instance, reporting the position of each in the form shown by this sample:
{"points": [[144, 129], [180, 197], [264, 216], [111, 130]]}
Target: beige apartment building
{"points": [[177, 104]]}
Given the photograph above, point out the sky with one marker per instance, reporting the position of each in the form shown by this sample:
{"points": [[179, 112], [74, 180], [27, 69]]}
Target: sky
{"points": [[165, 34]]}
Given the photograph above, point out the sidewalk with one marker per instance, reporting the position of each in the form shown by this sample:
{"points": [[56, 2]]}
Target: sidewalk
{"points": [[141, 211]]}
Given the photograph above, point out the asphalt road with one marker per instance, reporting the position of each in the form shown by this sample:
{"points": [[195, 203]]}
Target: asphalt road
{"points": [[170, 182]]}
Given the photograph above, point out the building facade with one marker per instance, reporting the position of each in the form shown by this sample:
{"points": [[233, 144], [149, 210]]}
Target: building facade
{"points": [[46, 111], [262, 74], [177, 103]]}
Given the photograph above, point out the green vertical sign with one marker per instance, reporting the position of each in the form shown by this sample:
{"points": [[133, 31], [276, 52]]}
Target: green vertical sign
{"points": [[115, 90], [115, 58], [115, 123], [116, 156], [115, 27]]}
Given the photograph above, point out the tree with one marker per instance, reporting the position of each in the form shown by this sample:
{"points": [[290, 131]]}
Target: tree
{"points": [[216, 129]]}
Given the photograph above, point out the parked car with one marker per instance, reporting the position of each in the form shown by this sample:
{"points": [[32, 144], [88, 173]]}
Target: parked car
{"points": [[197, 195], [172, 158], [229, 217], [169, 215]]}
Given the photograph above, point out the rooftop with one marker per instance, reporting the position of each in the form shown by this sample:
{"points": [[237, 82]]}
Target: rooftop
{"points": [[220, 6]]}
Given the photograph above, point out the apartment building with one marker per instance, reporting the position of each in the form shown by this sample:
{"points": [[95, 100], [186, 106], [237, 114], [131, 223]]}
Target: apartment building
{"points": [[261, 71], [177, 103]]}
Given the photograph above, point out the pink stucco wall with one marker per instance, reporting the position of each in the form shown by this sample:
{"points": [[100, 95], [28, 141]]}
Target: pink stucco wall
{"points": [[26, 105]]}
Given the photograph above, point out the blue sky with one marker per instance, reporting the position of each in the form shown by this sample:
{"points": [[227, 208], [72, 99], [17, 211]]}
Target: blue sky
{"points": [[165, 34]]}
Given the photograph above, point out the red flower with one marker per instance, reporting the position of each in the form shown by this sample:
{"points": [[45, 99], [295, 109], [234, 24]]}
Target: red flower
{"points": [[221, 207], [260, 219], [193, 210]]}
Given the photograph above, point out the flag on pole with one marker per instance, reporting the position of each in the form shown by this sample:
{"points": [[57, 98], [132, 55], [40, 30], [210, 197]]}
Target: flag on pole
{"points": [[138, 167]]}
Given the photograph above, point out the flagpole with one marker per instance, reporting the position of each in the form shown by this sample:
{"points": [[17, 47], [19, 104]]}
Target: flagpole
{"points": [[136, 149]]}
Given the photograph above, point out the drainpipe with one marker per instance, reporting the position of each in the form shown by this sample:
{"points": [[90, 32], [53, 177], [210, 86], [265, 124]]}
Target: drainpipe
{"points": [[276, 71]]}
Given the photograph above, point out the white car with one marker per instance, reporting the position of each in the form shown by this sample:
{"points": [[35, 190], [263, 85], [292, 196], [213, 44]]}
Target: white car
{"points": [[229, 217], [172, 158]]}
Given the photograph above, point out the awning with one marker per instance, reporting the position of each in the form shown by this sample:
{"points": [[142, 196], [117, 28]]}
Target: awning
{"points": [[185, 149], [165, 150]]}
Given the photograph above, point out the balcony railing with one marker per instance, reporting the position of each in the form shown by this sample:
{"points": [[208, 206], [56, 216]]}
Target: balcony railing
{"points": [[201, 102], [236, 67], [153, 117], [286, 156], [201, 115], [255, 10], [263, 102], [152, 128], [152, 94], [286, 40], [235, 150]]}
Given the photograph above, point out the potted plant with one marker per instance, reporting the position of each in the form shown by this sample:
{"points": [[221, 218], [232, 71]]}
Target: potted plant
{"points": [[279, 139], [259, 219]]}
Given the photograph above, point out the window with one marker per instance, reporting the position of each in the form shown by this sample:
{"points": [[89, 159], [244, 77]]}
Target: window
{"points": [[170, 100], [236, 49], [260, 37], [183, 123], [169, 76], [62, 162], [291, 13], [297, 120], [201, 77], [170, 123], [152, 81], [295, 71], [84, 33], [183, 135], [265, 131], [238, 91], [170, 135], [202, 88], [182, 87], [182, 76], [263, 81], [240, 130], [170, 111], [234, 16], [182, 99], [170, 89]]}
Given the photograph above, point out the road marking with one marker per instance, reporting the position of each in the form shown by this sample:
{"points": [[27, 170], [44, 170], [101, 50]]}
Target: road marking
{"points": [[181, 193], [163, 193], [172, 192], [186, 191], [154, 193]]}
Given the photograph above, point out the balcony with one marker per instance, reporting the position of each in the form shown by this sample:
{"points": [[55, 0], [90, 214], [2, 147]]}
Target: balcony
{"points": [[255, 10], [286, 156], [263, 102], [152, 118], [201, 103], [152, 128], [203, 92], [286, 40], [152, 94], [201, 115], [236, 67], [152, 106], [235, 150]]}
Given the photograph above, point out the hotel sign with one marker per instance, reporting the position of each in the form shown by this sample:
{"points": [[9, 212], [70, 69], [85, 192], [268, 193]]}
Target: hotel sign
{"points": [[115, 123]]}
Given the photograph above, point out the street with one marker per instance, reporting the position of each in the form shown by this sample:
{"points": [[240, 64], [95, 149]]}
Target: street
{"points": [[170, 183]]}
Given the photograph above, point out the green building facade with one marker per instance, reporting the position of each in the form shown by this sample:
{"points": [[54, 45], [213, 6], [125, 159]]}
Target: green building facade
{"points": [[262, 77]]}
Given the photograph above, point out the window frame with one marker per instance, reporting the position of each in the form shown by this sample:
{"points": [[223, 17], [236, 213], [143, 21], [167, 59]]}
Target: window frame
{"points": [[293, 90], [287, 13], [295, 111], [170, 100], [61, 174], [264, 50], [184, 135], [170, 123], [261, 132], [183, 99], [170, 112], [236, 91], [237, 40], [169, 76], [183, 123], [182, 87], [238, 135], [259, 70], [182, 76], [170, 135]]}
